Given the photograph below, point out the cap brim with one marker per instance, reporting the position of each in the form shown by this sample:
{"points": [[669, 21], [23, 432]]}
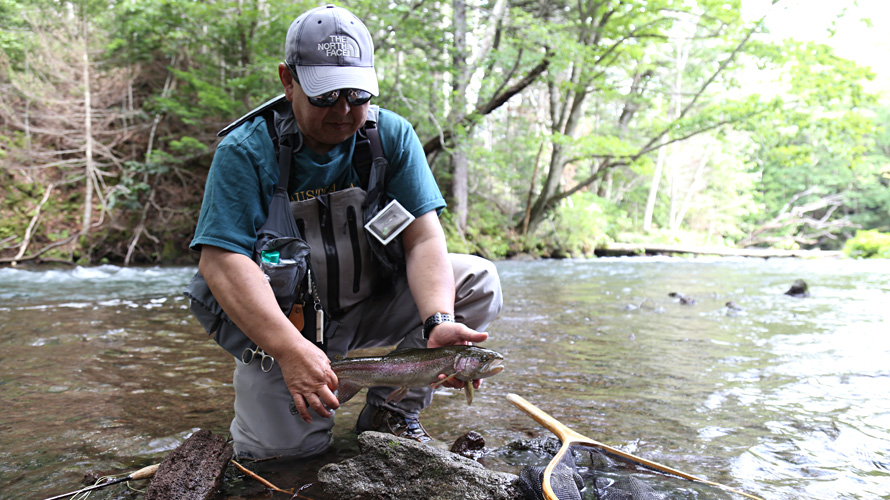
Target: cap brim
{"points": [[316, 80]]}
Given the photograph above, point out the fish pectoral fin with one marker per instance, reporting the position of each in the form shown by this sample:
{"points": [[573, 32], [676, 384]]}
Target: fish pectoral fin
{"points": [[446, 379], [346, 390], [470, 390], [397, 395]]}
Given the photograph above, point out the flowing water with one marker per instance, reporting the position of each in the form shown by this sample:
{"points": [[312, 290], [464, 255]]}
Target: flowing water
{"points": [[103, 369]]}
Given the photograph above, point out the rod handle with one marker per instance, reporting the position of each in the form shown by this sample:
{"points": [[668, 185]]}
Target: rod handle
{"points": [[145, 472]]}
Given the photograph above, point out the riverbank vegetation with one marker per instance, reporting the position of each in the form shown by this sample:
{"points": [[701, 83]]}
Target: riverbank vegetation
{"points": [[552, 127]]}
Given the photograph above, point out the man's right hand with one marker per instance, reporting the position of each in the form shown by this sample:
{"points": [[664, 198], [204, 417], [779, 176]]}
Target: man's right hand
{"points": [[244, 293], [310, 379]]}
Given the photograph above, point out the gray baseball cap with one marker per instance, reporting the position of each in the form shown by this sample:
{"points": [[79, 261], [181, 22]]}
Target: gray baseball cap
{"points": [[331, 49]]}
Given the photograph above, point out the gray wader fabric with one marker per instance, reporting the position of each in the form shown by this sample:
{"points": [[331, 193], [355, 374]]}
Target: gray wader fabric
{"points": [[263, 425]]}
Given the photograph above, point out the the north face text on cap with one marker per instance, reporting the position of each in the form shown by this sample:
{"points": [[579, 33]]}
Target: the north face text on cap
{"points": [[339, 45]]}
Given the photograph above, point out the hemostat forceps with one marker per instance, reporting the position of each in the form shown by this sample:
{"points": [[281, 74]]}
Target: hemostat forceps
{"points": [[248, 355]]}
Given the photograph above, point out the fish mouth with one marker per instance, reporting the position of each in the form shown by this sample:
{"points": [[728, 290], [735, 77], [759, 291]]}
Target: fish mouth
{"points": [[494, 367]]}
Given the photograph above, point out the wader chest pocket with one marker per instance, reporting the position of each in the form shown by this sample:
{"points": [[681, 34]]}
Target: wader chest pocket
{"points": [[341, 256]]}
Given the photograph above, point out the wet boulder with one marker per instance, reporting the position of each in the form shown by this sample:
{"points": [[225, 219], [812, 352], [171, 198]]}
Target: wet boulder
{"points": [[470, 445], [391, 467], [733, 309], [798, 289], [683, 299]]}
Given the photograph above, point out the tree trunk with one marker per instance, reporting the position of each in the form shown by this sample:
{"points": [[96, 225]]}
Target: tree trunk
{"points": [[653, 189], [680, 61], [90, 166], [531, 190], [459, 161], [677, 220], [565, 122]]}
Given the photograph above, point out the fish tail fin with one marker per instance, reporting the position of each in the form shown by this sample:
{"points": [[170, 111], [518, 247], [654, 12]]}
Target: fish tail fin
{"points": [[397, 395], [346, 390]]}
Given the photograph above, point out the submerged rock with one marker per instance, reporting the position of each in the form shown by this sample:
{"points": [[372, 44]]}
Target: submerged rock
{"points": [[799, 289], [684, 300], [542, 446], [470, 445], [733, 309], [391, 467]]}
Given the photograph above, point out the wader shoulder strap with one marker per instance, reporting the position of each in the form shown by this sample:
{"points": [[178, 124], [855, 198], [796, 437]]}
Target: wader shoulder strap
{"points": [[282, 127], [367, 149], [275, 102]]}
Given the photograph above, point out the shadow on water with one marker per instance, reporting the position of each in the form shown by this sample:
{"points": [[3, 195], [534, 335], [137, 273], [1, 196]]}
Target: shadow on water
{"points": [[103, 369]]}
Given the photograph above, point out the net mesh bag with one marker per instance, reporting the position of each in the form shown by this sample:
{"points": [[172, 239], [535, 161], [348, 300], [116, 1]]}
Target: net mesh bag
{"points": [[584, 473]]}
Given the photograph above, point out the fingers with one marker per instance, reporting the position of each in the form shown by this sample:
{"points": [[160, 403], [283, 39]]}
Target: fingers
{"points": [[455, 334], [474, 336], [456, 383], [328, 398], [310, 381], [300, 405], [320, 404], [315, 403], [333, 381]]}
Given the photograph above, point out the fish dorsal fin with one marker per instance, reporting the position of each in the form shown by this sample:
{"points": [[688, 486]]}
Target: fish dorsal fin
{"points": [[339, 357], [402, 350], [346, 390]]}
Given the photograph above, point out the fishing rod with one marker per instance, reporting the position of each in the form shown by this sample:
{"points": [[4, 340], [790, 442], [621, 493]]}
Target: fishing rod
{"points": [[143, 473]]}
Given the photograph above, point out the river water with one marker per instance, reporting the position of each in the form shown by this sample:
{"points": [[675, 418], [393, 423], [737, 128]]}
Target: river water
{"points": [[104, 369]]}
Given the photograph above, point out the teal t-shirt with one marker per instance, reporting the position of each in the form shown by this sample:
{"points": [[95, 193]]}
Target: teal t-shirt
{"points": [[244, 174]]}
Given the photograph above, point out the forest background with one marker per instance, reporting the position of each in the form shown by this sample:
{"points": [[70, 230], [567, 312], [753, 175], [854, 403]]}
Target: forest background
{"points": [[552, 127]]}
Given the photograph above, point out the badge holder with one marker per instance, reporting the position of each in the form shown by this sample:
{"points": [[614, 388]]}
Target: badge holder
{"points": [[389, 222]]}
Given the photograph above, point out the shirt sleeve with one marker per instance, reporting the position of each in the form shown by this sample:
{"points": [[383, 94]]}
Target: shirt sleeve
{"points": [[409, 178], [238, 191]]}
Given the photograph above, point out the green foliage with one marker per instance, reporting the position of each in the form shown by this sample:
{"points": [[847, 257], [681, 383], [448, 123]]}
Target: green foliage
{"points": [[868, 245], [581, 223], [187, 145], [486, 234], [193, 66], [11, 41], [869, 202]]}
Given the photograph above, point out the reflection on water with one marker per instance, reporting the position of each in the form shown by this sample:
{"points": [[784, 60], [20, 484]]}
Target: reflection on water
{"points": [[104, 369]]}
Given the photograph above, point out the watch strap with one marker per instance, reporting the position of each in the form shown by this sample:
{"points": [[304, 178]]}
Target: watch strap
{"points": [[435, 320]]}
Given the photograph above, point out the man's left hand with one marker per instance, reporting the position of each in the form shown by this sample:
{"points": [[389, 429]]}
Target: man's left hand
{"points": [[446, 334]]}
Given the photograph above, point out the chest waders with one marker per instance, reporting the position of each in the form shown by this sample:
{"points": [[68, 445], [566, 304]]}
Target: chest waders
{"points": [[345, 264]]}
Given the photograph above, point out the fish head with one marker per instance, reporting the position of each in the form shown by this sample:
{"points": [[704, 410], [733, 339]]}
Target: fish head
{"points": [[474, 363]]}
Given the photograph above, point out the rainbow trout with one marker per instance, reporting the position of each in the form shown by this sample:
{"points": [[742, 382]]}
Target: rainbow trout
{"points": [[407, 368]]}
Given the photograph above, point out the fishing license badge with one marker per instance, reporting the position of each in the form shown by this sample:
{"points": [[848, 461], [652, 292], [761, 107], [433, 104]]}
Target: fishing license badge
{"points": [[389, 222]]}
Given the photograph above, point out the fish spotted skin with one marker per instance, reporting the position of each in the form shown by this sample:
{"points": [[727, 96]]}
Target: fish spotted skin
{"points": [[408, 368]]}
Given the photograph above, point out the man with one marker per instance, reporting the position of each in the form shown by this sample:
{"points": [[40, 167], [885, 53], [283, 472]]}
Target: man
{"points": [[328, 78]]}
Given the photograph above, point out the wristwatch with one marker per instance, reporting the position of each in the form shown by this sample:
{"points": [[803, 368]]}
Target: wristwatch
{"points": [[435, 320]]}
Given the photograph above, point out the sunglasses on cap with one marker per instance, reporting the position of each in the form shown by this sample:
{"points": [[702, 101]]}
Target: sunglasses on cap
{"points": [[354, 97]]}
